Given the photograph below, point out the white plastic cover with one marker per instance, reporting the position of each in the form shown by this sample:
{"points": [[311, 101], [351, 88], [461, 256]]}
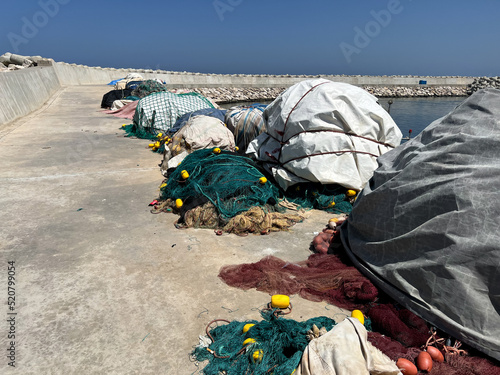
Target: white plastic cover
{"points": [[200, 132], [324, 131]]}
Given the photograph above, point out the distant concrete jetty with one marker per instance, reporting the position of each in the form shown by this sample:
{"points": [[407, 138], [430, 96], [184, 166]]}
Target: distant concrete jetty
{"points": [[27, 82]]}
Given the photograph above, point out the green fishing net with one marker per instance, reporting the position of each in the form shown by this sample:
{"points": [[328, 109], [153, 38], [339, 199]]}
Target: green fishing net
{"points": [[230, 182], [228, 191], [159, 111], [148, 87], [281, 342], [134, 131], [330, 198]]}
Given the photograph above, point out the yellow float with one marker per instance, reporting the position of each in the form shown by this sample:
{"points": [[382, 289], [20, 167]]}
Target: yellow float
{"points": [[358, 315], [351, 193], [280, 301], [257, 355], [249, 341], [246, 327]]}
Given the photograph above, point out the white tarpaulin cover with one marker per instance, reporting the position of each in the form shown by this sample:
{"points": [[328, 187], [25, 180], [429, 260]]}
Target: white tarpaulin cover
{"points": [[426, 227], [326, 132]]}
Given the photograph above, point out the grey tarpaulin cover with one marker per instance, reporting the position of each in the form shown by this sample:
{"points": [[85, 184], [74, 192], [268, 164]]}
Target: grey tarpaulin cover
{"points": [[323, 131], [426, 227]]}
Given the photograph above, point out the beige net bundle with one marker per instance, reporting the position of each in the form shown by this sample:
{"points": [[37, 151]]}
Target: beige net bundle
{"points": [[255, 220]]}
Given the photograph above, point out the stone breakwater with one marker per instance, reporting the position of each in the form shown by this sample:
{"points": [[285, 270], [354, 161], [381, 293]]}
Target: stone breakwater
{"points": [[421, 91], [483, 83], [233, 94], [223, 95]]}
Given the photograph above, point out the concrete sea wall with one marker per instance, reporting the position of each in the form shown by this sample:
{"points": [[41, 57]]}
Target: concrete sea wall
{"points": [[72, 74], [25, 90]]}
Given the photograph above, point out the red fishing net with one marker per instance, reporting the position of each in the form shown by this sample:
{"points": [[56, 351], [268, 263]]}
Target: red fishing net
{"points": [[454, 364], [402, 325], [323, 277], [329, 276]]}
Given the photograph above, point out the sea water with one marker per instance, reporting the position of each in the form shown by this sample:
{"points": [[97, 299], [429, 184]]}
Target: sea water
{"points": [[417, 113], [408, 113]]}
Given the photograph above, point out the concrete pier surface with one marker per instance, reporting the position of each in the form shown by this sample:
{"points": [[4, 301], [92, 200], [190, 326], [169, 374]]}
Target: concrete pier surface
{"points": [[102, 286]]}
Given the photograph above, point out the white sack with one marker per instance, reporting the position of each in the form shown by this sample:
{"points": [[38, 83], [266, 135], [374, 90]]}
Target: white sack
{"points": [[120, 103], [345, 350]]}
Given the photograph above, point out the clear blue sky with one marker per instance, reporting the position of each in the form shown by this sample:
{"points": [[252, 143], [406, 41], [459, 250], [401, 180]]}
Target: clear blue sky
{"points": [[387, 37]]}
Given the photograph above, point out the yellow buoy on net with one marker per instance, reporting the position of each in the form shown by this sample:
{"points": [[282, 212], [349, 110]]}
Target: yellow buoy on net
{"points": [[178, 203], [246, 327], [163, 185], [159, 135], [249, 341], [151, 145], [358, 315], [351, 193], [280, 301], [217, 150], [332, 203], [257, 355], [184, 174], [262, 180]]}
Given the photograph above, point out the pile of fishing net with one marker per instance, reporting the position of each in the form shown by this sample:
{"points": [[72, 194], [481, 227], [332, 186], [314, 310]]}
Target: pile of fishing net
{"points": [[398, 332], [125, 82], [113, 96], [148, 87], [212, 188], [184, 119], [332, 198], [199, 132], [320, 346], [322, 277], [158, 112], [277, 345], [457, 361], [230, 192], [246, 123], [325, 132]]}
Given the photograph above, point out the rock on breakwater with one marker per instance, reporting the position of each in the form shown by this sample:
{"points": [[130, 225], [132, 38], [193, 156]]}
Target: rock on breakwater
{"points": [[233, 94], [420, 91], [482, 83]]}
